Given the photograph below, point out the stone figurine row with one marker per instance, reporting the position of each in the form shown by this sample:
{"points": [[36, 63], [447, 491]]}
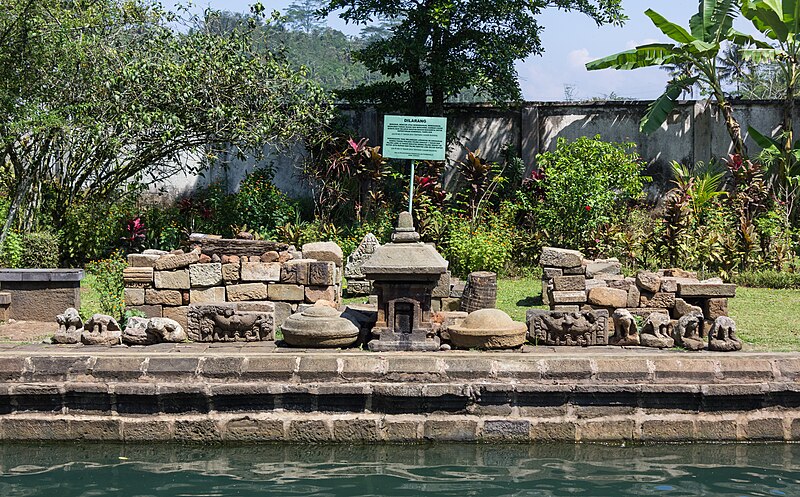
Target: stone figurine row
{"points": [[101, 329]]}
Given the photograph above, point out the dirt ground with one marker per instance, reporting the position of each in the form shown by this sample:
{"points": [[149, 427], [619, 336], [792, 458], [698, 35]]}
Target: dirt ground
{"points": [[26, 331]]}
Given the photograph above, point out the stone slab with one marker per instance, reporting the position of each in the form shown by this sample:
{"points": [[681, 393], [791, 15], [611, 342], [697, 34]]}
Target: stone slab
{"points": [[573, 297], [261, 271], [246, 291], [172, 280], [560, 258], [286, 293], [169, 262], [207, 295], [608, 297], [706, 290], [205, 275], [569, 283]]}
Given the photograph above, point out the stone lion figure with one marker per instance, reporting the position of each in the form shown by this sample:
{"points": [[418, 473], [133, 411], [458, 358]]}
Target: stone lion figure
{"points": [[657, 331], [70, 327], [690, 332], [101, 329], [625, 330], [722, 337]]}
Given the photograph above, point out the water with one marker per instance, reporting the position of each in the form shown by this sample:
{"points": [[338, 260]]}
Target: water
{"points": [[89, 470]]}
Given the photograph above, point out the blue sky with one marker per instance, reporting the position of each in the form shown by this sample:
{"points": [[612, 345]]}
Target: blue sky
{"points": [[570, 40]]}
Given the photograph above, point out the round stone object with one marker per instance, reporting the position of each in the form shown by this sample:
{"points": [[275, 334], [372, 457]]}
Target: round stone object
{"points": [[488, 329], [319, 327]]}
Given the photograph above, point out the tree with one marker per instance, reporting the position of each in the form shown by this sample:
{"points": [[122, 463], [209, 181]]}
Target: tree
{"points": [[696, 52], [303, 15], [779, 20], [95, 94], [439, 47]]}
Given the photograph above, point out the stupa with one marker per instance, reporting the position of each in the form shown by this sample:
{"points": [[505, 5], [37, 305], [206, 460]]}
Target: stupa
{"points": [[404, 274]]}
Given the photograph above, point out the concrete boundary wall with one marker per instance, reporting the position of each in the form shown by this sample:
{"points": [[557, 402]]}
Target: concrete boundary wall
{"points": [[694, 132], [200, 393]]}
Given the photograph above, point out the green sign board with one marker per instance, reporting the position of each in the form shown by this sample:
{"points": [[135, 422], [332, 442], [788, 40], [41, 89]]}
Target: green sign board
{"points": [[414, 137]]}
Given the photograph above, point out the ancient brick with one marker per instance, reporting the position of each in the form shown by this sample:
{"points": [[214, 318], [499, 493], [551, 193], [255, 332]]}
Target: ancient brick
{"points": [[451, 430], [207, 295], [442, 289], [574, 297], [315, 293], [142, 260], [506, 430], [203, 275], [399, 430], [134, 296], [230, 273], [648, 281], [356, 430], [167, 262], [172, 280], [163, 297], [561, 258], [667, 430], [764, 429], [261, 271], [177, 314], [706, 290], [660, 300], [608, 297], [607, 431], [285, 293], [569, 283], [248, 429], [137, 275], [714, 308], [320, 273], [556, 431], [323, 251], [246, 291]]}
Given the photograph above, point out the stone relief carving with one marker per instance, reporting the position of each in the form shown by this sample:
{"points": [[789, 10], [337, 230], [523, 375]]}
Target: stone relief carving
{"points": [[580, 328], [225, 323], [625, 330]]}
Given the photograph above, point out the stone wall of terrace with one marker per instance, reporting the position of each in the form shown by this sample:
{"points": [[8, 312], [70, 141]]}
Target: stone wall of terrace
{"points": [[216, 271]]}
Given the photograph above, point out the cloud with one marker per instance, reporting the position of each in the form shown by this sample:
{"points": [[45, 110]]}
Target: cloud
{"points": [[579, 58]]}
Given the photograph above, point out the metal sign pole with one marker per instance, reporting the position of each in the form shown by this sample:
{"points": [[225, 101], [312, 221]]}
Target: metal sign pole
{"points": [[411, 188]]}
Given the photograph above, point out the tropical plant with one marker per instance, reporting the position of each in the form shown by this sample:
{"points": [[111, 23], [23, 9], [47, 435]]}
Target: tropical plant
{"points": [[779, 20], [697, 50], [702, 184]]}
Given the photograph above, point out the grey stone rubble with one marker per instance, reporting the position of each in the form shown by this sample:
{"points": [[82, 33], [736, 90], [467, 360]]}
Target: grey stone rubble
{"points": [[659, 299], [357, 282]]}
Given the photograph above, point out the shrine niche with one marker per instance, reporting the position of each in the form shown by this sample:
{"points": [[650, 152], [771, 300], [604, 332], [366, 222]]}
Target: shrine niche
{"points": [[404, 274]]}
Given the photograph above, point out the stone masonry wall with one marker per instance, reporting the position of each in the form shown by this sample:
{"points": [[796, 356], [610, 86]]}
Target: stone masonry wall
{"points": [[161, 284]]}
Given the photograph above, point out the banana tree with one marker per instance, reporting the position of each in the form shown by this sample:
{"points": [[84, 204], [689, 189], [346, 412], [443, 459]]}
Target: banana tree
{"points": [[696, 48], [779, 20]]}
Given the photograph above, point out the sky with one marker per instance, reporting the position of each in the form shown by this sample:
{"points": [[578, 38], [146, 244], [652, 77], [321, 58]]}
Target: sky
{"points": [[571, 39]]}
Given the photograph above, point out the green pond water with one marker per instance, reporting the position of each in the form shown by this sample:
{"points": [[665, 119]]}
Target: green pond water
{"points": [[92, 470]]}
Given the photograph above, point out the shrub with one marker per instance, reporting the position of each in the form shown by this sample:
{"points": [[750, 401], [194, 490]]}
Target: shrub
{"points": [[93, 229], [582, 186], [483, 245], [260, 205], [11, 253], [39, 250], [768, 279], [108, 283]]}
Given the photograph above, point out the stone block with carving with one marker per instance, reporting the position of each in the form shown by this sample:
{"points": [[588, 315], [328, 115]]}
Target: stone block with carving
{"points": [[166, 330], [101, 329], [70, 327], [362, 253], [135, 332], [657, 331], [227, 323], [581, 328], [722, 337], [625, 330], [690, 334]]}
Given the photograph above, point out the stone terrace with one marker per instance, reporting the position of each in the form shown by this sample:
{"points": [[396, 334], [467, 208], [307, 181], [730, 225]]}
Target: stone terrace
{"points": [[257, 392]]}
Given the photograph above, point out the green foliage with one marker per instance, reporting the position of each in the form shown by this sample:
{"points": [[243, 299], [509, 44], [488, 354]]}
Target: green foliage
{"points": [[768, 279], [697, 50], [585, 185], [441, 47], [39, 250], [484, 244], [11, 253], [260, 205], [133, 94], [108, 283], [94, 228]]}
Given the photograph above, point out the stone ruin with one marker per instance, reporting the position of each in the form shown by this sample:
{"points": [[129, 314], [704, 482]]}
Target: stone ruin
{"points": [[232, 322], [218, 271], [673, 305]]}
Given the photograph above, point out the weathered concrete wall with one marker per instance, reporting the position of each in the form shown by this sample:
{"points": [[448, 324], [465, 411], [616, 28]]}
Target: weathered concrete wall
{"points": [[200, 393], [694, 132]]}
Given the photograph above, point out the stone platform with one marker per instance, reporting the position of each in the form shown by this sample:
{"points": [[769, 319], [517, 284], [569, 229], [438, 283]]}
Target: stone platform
{"points": [[256, 392]]}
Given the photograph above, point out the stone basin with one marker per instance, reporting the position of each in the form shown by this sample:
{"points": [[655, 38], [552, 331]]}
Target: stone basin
{"points": [[488, 329], [319, 326]]}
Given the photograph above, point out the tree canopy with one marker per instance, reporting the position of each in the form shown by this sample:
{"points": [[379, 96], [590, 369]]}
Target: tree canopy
{"points": [[94, 94], [437, 48]]}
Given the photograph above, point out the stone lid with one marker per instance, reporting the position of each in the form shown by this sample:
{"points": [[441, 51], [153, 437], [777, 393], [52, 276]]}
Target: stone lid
{"points": [[487, 321], [405, 257], [318, 321], [41, 274]]}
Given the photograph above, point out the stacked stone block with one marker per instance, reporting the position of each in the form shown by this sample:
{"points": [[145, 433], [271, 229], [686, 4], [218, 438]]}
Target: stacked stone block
{"points": [[573, 283], [162, 284]]}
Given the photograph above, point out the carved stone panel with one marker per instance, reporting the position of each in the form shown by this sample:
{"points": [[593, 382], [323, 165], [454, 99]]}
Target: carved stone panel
{"points": [[579, 328], [227, 323]]}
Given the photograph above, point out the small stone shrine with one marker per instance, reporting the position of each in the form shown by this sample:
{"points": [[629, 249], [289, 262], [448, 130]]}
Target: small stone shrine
{"points": [[404, 274]]}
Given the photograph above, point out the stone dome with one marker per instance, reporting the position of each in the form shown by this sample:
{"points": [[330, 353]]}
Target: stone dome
{"points": [[488, 329], [319, 326]]}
